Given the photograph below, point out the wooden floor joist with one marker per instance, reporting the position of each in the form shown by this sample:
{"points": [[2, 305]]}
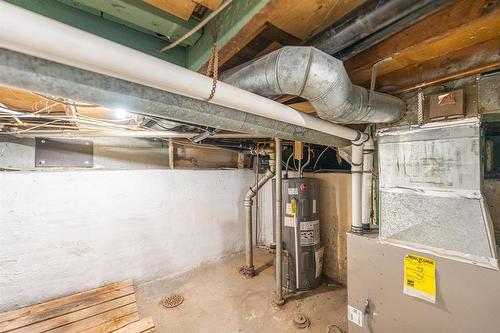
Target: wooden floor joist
{"points": [[461, 25], [110, 308]]}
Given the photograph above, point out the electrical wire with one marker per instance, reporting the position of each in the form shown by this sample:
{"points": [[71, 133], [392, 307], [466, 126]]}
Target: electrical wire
{"points": [[32, 128], [197, 27], [319, 157], [80, 105], [287, 163]]}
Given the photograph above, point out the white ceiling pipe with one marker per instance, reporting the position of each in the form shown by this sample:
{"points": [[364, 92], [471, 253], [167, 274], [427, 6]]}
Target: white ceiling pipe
{"points": [[356, 188], [367, 180], [132, 134], [24, 31]]}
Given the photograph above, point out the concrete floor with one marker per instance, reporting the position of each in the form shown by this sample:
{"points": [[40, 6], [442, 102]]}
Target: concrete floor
{"points": [[218, 299]]}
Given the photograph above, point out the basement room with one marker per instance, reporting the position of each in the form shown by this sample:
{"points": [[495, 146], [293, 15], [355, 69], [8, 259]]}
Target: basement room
{"points": [[253, 166]]}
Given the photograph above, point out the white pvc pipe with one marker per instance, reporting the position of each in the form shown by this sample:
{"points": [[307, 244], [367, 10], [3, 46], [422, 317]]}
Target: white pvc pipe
{"points": [[24, 31], [356, 188], [197, 27], [131, 134], [366, 216]]}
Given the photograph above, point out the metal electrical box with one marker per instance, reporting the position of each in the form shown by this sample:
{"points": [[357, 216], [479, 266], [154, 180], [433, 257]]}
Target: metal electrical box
{"points": [[303, 253]]}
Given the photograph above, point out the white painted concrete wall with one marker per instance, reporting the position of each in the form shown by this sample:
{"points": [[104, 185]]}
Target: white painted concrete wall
{"points": [[265, 215], [66, 231]]}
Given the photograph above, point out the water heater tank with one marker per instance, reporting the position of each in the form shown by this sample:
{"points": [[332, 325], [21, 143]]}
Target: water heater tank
{"points": [[303, 253]]}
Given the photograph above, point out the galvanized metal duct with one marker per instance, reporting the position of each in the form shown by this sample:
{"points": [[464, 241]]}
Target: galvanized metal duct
{"points": [[44, 76], [387, 31], [370, 19], [318, 77]]}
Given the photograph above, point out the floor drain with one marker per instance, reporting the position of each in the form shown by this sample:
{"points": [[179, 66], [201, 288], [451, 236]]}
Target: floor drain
{"points": [[301, 321], [334, 329], [172, 301]]}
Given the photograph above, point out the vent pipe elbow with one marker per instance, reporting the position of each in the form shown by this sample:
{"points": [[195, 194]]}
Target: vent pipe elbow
{"points": [[318, 77]]}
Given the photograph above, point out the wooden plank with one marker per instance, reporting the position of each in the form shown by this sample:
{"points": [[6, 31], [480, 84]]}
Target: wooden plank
{"points": [[180, 8], [210, 4], [303, 19], [303, 106], [96, 320], [275, 34], [35, 309], [245, 36], [24, 100], [92, 314], [140, 326], [298, 18], [113, 325], [49, 312], [272, 47], [458, 26], [479, 58], [284, 98]]}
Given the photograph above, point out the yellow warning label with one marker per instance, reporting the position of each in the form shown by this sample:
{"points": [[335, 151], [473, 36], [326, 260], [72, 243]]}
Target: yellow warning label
{"points": [[420, 277], [293, 207]]}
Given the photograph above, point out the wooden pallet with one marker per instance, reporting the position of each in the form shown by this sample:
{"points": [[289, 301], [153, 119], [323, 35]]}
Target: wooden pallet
{"points": [[111, 308]]}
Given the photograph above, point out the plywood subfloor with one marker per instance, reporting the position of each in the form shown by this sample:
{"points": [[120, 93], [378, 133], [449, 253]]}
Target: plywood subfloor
{"points": [[218, 299]]}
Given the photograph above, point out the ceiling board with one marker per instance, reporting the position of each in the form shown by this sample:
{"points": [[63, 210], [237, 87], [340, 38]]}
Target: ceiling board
{"points": [[303, 106], [210, 4], [105, 28], [297, 18], [227, 25], [180, 8], [459, 26], [139, 16], [269, 39], [26, 101], [30, 102], [478, 58], [303, 19]]}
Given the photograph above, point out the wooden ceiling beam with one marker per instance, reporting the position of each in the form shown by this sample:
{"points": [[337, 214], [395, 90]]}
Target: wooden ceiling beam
{"points": [[210, 4], [298, 18], [458, 26], [180, 8], [303, 106], [479, 58]]}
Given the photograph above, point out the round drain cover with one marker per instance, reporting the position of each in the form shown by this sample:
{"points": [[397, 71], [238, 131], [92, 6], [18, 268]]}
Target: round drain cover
{"points": [[172, 301], [301, 321], [334, 329]]}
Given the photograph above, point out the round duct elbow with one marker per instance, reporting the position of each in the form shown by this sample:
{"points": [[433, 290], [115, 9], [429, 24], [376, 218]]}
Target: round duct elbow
{"points": [[318, 77]]}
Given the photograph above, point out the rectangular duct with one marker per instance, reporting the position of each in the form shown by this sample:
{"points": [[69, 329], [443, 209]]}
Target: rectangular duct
{"points": [[430, 191]]}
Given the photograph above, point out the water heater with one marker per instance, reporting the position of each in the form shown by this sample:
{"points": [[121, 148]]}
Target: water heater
{"points": [[303, 253]]}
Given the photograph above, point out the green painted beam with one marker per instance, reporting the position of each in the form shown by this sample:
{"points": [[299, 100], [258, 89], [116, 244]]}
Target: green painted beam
{"points": [[102, 27], [140, 16], [227, 24]]}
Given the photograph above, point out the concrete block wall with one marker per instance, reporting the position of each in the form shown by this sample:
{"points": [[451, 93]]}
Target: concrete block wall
{"points": [[66, 231]]}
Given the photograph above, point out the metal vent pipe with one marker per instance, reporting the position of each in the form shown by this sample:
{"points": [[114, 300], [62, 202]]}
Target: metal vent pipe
{"points": [[249, 270], [43, 76], [52, 40], [372, 18], [318, 77]]}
